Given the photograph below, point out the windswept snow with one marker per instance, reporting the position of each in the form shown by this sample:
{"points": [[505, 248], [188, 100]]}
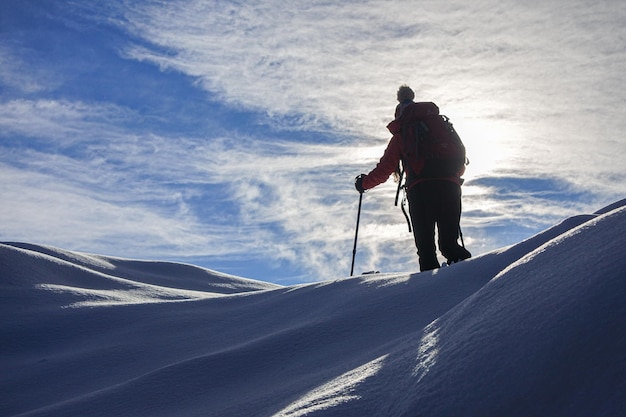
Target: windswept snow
{"points": [[535, 329]]}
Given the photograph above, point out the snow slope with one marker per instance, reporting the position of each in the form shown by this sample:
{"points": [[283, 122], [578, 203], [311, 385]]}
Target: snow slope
{"points": [[535, 329]]}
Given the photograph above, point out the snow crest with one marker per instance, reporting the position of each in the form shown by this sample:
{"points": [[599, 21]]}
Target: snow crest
{"points": [[533, 329]]}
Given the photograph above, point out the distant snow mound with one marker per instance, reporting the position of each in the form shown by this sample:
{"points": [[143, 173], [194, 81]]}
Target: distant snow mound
{"points": [[29, 265], [611, 207]]}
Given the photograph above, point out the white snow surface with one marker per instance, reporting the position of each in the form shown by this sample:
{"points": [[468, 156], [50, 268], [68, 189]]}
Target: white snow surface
{"points": [[534, 329]]}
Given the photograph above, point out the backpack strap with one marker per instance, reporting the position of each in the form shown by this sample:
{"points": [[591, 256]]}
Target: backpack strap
{"points": [[403, 188], [400, 173], [420, 129], [406, 216]]}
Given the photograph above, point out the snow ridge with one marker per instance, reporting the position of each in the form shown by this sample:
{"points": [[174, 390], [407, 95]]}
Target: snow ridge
{"points": [[533, 329]]}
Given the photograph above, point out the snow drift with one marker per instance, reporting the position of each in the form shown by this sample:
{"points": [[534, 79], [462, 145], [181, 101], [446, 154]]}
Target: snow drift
{"points": [[535, 329]]}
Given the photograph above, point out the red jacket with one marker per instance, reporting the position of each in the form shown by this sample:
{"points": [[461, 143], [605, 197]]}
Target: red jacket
{"points": [[393, 154]]}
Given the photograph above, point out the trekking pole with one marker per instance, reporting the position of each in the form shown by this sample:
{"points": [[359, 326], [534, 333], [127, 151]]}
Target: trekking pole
{"points": [[356, 234]]}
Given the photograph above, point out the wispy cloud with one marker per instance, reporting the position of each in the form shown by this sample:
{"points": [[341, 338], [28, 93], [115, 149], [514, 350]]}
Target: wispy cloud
{"points": [[535, 90], [19, 75], [530, 80], [536, 85], [185, 197]]}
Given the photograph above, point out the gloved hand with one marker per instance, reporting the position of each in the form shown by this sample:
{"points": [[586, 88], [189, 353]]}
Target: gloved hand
{"points": [[358, 183]]}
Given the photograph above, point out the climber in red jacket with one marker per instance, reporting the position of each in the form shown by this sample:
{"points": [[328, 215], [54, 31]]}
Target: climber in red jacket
{"points": [[433, 185]]}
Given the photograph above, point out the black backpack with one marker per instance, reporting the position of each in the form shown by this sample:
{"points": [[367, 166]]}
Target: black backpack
{"points": [[431, 147]]}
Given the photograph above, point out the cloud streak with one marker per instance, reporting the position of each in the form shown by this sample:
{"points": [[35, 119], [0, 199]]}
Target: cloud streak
{"points": [[281, 105], [505, 71], [188, 197], [531, 79]]}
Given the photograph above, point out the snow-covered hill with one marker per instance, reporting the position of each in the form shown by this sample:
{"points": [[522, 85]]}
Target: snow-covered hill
{"points": [[535, 329]]}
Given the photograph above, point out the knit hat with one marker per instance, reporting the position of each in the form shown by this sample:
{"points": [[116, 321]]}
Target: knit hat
{"points": [[405, 93]]}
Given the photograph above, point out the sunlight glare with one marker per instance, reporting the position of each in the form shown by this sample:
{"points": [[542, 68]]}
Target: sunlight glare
{"points": [[488, 146]]}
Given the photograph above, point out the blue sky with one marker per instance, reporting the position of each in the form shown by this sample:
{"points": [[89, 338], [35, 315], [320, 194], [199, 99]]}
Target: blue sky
{"points": [[228, 134]]}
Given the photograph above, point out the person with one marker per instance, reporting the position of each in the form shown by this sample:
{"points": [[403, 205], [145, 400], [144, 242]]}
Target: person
{"points": [[433, 201]]}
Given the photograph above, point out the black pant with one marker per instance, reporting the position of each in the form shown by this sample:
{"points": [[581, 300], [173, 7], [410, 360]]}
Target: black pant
{"points": [[436, 202]]}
